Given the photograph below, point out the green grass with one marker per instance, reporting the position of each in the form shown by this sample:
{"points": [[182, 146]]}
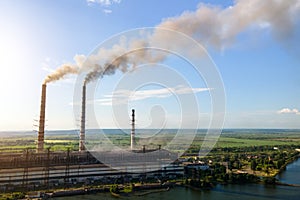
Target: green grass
{"points": [[56, 142], [238, 142], [63, 142]]}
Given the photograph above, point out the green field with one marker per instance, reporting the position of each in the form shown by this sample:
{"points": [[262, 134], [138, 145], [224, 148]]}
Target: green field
{"points": [[61, 141]]}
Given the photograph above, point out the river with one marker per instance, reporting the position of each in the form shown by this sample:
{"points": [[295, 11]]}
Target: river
{"points": [[251, 191], [292, 173]]}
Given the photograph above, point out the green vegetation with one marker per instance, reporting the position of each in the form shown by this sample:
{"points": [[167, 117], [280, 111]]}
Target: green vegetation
{"points": [[238, 139], [238, 157], [17, 143], [239, 165], [230, 139], [217, 173], [12, 196]]}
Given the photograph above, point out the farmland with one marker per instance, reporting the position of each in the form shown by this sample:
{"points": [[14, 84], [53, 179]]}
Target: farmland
{"points": [[235, 138]]}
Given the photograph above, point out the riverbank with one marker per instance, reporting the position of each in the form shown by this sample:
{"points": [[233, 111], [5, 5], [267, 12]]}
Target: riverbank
{"points": [[115, 190], [145, 190], [219, 177], [295, 158]]}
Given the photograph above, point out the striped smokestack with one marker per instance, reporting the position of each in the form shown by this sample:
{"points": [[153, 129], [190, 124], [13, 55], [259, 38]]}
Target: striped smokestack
{"points": [[82, 126], [132, 135], [40, 143]]}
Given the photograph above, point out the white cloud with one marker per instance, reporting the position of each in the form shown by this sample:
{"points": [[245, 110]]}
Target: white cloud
{"points": [[123, 96], [49, 65], [107, 11], [104, 2], [46, 68], [46, 65], [289, 111]]}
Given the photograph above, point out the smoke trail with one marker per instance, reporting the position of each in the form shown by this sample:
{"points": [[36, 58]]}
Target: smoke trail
{"points": [[210, 25], [123, 56], [61, 72], [218, 27], [94, 74]]}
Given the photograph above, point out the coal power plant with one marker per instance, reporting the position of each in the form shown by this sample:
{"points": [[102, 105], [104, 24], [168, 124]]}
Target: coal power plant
{"points": [[82, 122], [45, 168], [41, 133], [132, 134]]}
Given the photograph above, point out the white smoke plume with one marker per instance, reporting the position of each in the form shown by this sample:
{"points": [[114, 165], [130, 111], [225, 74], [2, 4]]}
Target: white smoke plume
{"points": [[61, 72], [209, 25], [218, 27], [123, 56], [212, 26]]}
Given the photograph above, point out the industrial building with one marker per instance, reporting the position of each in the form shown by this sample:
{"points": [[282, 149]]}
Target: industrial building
{"points": [[45, 168]]}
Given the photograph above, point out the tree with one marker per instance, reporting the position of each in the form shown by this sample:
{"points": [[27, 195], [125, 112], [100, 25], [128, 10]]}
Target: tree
{"points": [[230, 165], [253, 165]]}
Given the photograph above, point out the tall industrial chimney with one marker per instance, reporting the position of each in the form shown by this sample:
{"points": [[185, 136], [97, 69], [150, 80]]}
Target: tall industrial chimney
{"points": [[40, 143], [82, 126], [132, 135]]}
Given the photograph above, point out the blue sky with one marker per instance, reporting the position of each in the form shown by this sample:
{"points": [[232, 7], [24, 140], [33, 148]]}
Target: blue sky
{"points": [[260, 72]]}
